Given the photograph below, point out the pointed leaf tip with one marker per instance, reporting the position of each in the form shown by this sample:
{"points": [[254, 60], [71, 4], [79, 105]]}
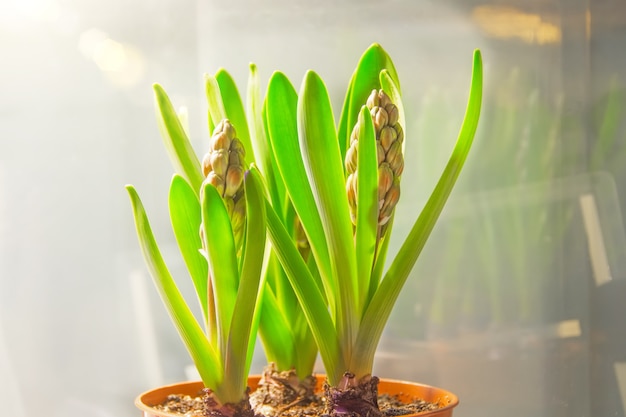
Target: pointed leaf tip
{"points": [[376, 46]]}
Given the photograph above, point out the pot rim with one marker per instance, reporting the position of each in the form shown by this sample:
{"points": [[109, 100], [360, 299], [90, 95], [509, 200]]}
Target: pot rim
{"points": [[446, 399]]}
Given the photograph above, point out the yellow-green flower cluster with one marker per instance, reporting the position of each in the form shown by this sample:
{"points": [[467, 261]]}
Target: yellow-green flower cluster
{"points": [[389, 138], [223, 167]]}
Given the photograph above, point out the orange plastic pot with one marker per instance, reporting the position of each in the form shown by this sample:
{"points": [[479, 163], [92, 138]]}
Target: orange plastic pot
{"points": [[405, 391]]}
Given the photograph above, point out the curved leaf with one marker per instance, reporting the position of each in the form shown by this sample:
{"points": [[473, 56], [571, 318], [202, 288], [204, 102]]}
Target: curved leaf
{"points": [[367, 203], [277, 190], [309, 296], [306, 353], [363, 81], [177, 143], [186, 217], [239, 340], [235, 112], [382, 303], [257, 131], [204, 356], [282, 125], [257, 117], [324, 167], [222, 255], [379, 262], [217, 111], [275, 332]]}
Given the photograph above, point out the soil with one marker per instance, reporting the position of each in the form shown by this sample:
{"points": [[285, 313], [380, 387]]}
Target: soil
{"points": [[278, 392], [188, 406]]}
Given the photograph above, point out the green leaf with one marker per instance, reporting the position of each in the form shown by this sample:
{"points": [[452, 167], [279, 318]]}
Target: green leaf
{"points": [[186, 218], [379, 262], [178, 147], [255, 120], [367, 203], [204, 356], [282, 125], [183, 117], [287, 339], [275, 331], [217, 111], [277, 190], [257, 117], [364, 79], [324, 167], [222, 255], [234, 111], [390, 86], [382, 303], [243, 313], [306, 348], [311, 299], [281, 288]]}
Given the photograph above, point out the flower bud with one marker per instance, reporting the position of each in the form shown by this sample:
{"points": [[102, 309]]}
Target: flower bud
{"points": [[399, 131], [234, 180], [235, 159], [219, 162], [379, 116], [354, 136], [393, 113], [351, 192], [220, 141], [226, 126], [391, 199], [206, 164], [373, 100], [385, 100], [351, 158], [380, 153], [385, 179], [388, 136], [237, 146], [216, 181], [395, 159]]}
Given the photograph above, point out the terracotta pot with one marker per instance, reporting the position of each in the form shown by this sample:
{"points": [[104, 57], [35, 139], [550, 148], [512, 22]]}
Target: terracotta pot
{"points": [[404, 390]]}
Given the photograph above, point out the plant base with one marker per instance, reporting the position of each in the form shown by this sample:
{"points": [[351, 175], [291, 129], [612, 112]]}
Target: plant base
{"points": [[353, 398], [215, 409]]}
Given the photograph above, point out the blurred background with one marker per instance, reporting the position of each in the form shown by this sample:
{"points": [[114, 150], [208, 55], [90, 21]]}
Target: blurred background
{"points": [[517, 302]]}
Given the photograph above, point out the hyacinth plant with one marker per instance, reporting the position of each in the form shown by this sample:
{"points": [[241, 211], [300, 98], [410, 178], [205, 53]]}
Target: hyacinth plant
{"points": [[343, 182], [217, 214], [287, 339], [220, 229], [327, 195]]}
